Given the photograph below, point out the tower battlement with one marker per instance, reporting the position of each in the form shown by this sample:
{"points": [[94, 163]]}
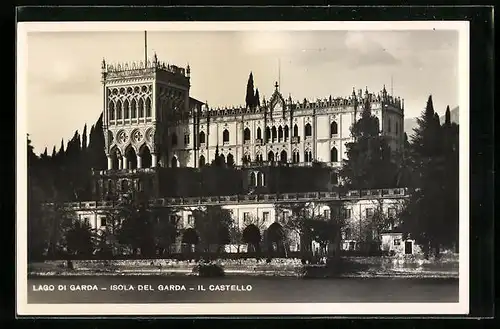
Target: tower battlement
{"points": [[140, 68]]}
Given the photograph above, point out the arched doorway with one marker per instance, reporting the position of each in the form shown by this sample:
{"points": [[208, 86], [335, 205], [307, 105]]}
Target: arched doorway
{"points": [[131, 158], [174, 162], [115, 158], [283, 156], [146, 158], [201, 161], [252, 237], [230, 160], [190, 239], [275, 238], [270, 156]]}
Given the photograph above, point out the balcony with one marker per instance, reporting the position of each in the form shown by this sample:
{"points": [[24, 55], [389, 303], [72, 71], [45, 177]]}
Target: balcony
{"points": [[225, 143], [296, 139], [247, 142], [258, 141]]}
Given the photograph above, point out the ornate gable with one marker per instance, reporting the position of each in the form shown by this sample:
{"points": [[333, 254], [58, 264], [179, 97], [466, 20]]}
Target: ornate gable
{"points": [[277, 102]]}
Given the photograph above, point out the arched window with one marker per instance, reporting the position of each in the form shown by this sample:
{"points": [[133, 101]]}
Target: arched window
{"points": [[308, 130], [334, 155], [225, 136], [125, 186], [259, 133], [268, 134], [253, 180], [174, 139], [202, 137], [126, 113], [246, 134], [141, 108], [295, 131], [296, 157], [274, 134], [259, 157], [334, 128], [119, 110], [260, 179], [133, 109], [280, 134], [283, 156], [308, 156], [148, 107], [287, 133], [202, 161], [111, 110], [270, 156]]}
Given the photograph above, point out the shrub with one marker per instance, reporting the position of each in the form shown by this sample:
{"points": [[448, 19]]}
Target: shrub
{"points": [[208, 270]]}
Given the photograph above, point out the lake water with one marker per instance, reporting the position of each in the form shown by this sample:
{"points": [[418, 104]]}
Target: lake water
{"points": [[165, 289]]}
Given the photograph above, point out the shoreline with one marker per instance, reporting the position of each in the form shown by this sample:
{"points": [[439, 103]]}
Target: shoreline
{"points": [[231, 273]]}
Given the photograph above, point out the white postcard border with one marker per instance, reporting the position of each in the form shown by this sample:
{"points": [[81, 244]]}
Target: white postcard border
{"points": [[23, 308]]}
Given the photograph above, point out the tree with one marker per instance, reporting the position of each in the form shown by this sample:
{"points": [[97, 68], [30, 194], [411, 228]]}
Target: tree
{"points": [[296, 221], [213, 224], [165, 231], [79, 239], [257, 97], [369, 164], [250, 95], [425, 217], [251, 234]]}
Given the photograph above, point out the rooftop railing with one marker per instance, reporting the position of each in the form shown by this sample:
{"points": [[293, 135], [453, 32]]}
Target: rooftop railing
{"points": [[394, 193]]}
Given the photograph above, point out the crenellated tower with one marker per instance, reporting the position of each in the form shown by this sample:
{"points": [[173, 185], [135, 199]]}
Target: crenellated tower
{"points": [[139, 98]]}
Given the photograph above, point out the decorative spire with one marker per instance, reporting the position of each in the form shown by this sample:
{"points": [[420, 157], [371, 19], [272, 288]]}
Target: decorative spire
{"points": [[155, 58], [103, 64], [188, 70], [276, 85]]}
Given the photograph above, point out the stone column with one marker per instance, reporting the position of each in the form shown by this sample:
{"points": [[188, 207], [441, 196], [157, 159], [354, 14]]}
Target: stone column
{"points": [[110, 162], [120, 163], [153, 160], [139, 162], [124, 162]]}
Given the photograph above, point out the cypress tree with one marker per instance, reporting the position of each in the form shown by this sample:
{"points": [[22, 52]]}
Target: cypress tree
{"points": [[250, 95], [84, 138], [368, 163], [257, 97]]}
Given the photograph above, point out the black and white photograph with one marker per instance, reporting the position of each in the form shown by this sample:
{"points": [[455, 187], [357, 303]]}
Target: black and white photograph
{"points": [[249, 168]]}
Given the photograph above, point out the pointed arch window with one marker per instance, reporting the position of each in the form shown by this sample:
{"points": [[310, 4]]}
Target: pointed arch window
{"points": [[246, 134], [202, 137], [141, 108], [308, 130], [133, 109], [253, 180], [274, 134], [308, 156], [295, 130], [260, 179], [259, 133], [126, 109], [334, 154], [225, 136], [148, 107], [287, 133], [283, 157], [296, 157], [119, 110], [270, 156], [268, 134], [280, 134], [334, 128], [111, 108]]}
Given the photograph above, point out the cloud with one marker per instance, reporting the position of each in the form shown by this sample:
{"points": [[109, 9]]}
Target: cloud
{"points": [[63, 76], [363, 50]]}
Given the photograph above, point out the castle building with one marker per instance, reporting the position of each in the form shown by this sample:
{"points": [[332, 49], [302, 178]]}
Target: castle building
{"points": [[159, 141]]}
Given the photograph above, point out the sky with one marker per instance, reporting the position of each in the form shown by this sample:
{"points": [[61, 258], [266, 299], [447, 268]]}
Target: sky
{"points": [[65, 92]]}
